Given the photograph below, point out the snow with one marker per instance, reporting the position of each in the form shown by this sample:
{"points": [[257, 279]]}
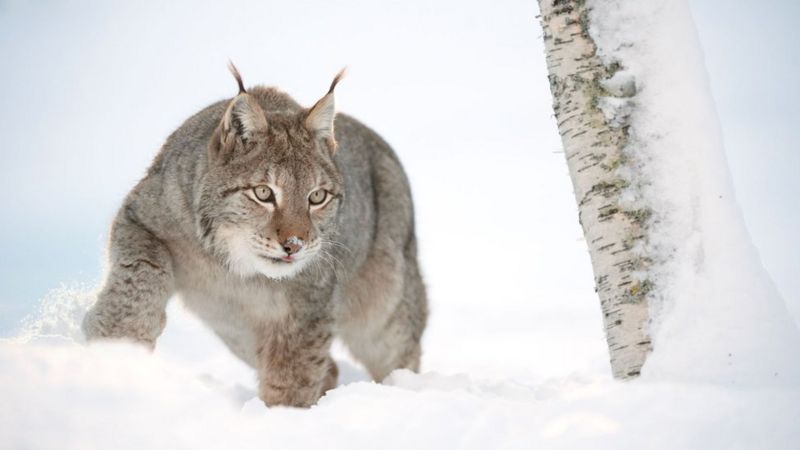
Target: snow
{"points": [[191, 393], [514, 356]]}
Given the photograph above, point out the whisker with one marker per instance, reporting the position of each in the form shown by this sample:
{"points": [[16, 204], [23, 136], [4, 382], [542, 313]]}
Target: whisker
{"points": [[325, 257], [336, 243]]}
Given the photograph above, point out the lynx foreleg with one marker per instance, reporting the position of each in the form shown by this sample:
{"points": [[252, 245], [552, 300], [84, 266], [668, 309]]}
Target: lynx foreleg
{"points": [[294, 364], [133, 300]]}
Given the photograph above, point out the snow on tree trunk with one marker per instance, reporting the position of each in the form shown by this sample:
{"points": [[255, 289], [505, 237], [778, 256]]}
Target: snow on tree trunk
{"points": [[682, 290], [591, 109]]}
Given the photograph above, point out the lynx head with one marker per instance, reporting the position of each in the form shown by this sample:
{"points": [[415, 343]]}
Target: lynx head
{"points": [[268, 201]]}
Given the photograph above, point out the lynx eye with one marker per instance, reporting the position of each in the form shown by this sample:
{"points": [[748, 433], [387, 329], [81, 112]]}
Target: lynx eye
{"points": [[318, 196], [263, 193]]}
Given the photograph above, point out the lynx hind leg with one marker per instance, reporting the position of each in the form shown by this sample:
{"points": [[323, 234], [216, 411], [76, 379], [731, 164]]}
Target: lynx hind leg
{"points": [[132, 302], [389, 334]]}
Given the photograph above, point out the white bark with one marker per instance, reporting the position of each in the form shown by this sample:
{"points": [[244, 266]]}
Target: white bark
{"points": [[592, 108]]}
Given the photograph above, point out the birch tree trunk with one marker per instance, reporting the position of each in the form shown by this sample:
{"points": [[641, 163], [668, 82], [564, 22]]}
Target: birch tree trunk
{"points": [[594, 144]]}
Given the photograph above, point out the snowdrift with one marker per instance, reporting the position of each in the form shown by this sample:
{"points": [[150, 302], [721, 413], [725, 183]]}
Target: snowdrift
{"points": [[192, 394]]}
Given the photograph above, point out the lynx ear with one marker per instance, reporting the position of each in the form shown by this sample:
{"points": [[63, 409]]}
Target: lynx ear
{"points": [[319, 119], [244, 118]]}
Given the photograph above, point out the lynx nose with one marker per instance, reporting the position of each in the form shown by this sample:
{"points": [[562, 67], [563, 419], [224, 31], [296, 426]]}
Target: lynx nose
{"points": [[292, 245]]}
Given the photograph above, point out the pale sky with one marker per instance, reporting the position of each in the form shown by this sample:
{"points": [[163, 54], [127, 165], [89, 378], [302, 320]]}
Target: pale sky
{"points": [[90, 90]]}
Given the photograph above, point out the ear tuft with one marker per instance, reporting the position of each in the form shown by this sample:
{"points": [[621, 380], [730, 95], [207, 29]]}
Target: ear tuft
{"points": [[238, 76], [319, 119], [337, 78]]}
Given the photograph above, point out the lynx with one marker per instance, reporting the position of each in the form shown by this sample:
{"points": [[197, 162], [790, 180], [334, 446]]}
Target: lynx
{"points": [[280, 227]]}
